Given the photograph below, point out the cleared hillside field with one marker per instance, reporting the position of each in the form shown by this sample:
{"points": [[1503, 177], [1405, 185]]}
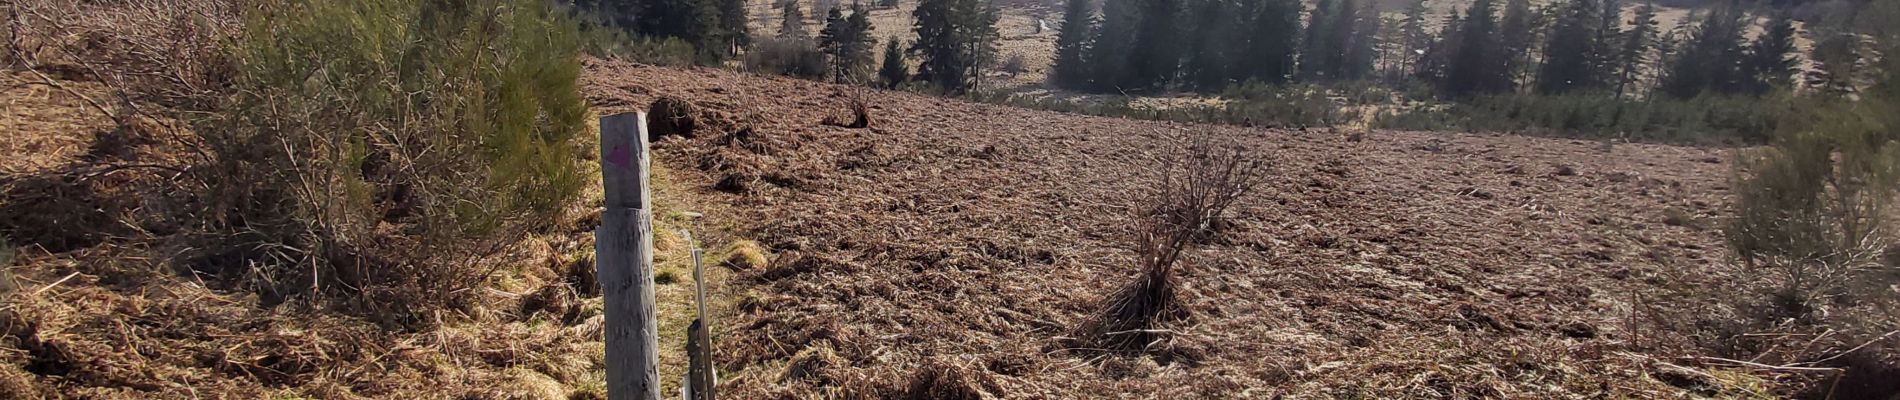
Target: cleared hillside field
{"points": [[951, 245]]}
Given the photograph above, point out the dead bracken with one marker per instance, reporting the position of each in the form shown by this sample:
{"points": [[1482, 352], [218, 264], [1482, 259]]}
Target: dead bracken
{"points": [[902, 247]]}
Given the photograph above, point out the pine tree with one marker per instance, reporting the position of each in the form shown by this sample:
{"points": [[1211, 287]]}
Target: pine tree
{"points": [[695, 21], [938, 43], [1632, 55], [1108, 51], [828, 34], [1608, 33], [954, 39], [1516, 28], [1669, 48], [1155, 58], [1836, 57], [847, 42], [1072, 45], [1710, 58], [1568, 63], [1362, 46], [981, 17], [1434, 65], [732, 25], [895, 70], [1315, 50], [1270, 33], [1770, 63], [792, 21], [1413, 37], [1543, 23], [1391, 42], [1339, 35], [1478, 67], [1211, 44]]}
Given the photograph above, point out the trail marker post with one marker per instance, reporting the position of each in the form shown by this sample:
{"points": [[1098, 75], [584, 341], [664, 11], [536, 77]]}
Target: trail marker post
{"points": [[700, 375], [623, 254]]}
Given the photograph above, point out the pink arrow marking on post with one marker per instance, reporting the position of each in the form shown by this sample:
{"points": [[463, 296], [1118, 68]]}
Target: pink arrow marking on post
{"points": [[620, 156]]}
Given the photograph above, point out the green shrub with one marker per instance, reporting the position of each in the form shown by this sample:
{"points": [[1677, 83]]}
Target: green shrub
{"points": [[1812, 210], [602, 40], [1814, 236], [378, 149], [667, 51], [1258, 103], [797, 57], [1250, 104], [1739, 119]]}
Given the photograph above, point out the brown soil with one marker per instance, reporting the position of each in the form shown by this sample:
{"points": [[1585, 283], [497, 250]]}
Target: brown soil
{"points": [[1403, 264]]}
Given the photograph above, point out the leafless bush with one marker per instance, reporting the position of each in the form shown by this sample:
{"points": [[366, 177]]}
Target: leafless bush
{"points": [[860, 113], [1013, 65], [1194, 185], [797, 57]]}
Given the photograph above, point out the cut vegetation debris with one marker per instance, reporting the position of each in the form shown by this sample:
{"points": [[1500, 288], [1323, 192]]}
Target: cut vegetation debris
{"points": [[201, 212], [1358, 268]]}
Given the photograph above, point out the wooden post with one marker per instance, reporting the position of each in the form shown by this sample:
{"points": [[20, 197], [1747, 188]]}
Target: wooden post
{"points": [[623, 254], [699, 373]]}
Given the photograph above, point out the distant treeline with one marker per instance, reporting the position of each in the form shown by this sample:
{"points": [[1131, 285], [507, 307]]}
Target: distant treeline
{"points": [[956, 39], [1573, 67], [1145, 46]]}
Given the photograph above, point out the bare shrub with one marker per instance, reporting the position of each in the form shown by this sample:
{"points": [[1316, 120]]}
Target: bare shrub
{"points": [[1193, 186], [793, 56], [1013, 65], [860, 113]]}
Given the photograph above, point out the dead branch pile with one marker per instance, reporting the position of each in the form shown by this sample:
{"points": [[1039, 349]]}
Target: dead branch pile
{"points": [[670, 116]]}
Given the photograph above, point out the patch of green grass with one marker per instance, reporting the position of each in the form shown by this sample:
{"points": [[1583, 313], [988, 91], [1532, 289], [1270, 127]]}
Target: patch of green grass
{"points": [[667, 276]]}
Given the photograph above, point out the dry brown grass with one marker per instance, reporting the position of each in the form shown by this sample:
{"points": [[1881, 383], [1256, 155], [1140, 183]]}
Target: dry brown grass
{"points": [[106, 308], [744, 255]]}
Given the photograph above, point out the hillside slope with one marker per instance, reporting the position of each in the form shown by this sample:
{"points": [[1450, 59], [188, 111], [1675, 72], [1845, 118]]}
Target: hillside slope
{"points": [[951, 244]]}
